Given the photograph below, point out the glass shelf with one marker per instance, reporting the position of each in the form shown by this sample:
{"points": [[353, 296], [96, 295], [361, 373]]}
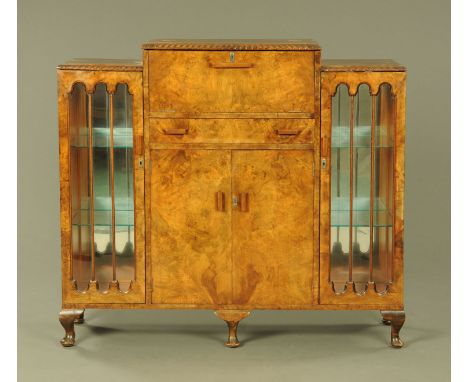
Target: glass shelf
{"points": [[361, 137], [123, 138], [103, 218], [361, 214]]}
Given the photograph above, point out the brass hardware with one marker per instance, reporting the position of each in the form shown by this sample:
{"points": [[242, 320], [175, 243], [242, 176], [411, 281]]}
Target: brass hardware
{"points": [[232, 57], [324, 163], [234, 201], [141, 162], [220, 201], [176, 131]]}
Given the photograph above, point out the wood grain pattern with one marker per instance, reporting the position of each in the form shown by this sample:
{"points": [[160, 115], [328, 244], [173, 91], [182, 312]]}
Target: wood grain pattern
{"points": [[232, 130], [330, 81], [249, 307], [102, 64], [238, 44], [66, 80], [317, 165], [230, 115], [190, 239], [362, 65], [273, 239], [183, 81]]}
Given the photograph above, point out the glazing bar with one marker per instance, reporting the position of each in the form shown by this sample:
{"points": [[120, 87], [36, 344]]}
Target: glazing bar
{"points": [[372, 193], [111, 165], [91, 186], [393, 175], [351, 175]]}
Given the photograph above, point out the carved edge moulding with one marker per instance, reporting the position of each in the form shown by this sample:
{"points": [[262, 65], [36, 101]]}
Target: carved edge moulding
{"points": [[104, 137]]}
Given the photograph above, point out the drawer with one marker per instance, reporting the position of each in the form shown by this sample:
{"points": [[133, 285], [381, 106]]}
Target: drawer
{"points": [[221, 130], [223, 81]]}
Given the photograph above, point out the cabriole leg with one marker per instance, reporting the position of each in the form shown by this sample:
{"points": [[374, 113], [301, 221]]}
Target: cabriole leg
{"points": [[80, 319], [384, 320], [232, 319], [395, 319], [67, 318]]}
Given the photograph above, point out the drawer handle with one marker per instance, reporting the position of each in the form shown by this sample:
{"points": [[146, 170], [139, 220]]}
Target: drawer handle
{"points": [[287, 132], [220, 201], [175, 131], [231, 65]]}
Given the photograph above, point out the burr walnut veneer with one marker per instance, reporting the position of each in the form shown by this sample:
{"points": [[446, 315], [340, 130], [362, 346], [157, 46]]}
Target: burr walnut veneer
{"points": [[232, 176]]}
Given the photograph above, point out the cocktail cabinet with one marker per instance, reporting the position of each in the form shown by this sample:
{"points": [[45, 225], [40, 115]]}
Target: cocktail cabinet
{"points": [[232, 175]]}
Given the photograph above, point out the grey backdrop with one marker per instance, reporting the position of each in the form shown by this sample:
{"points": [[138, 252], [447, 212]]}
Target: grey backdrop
{"points": [[174, 345]]}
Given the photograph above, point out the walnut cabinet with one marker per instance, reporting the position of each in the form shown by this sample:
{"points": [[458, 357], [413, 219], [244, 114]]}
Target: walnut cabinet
{"points": [[232, 176]]}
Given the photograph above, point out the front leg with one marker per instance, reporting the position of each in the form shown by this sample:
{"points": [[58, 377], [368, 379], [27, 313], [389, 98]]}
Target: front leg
{"points": [[396, 319], [67, 318], [80, 319], [232, 318]]}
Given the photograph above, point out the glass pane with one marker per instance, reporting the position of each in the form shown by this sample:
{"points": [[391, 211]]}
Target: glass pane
{"points": [[79, 186], [340, 170], [102, 186], [123, 186], [361, 186], [383, 187]]}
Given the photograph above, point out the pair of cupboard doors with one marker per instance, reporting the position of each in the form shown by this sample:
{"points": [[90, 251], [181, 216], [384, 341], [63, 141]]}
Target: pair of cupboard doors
{"points": [[232, 227]]}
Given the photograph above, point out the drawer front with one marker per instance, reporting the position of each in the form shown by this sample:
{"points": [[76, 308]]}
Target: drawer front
{"points": [[222, 130], [222, 81]]}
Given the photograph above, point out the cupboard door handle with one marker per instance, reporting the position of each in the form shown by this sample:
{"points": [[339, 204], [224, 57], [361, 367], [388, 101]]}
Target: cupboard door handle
{"points": [[244, 202], [231, 65], [220, 201], [287, 132], [175, 131]]}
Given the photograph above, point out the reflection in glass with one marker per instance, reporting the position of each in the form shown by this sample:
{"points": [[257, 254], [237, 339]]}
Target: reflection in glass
{"points": [[109, 212], [339, 233], [383, 187], [101, 186], [361, 187], [123, 185], [79, 186]]}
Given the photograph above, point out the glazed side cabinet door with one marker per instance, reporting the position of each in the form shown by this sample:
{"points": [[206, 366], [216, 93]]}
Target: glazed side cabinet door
{"points": [[191, 226], [102, 190], [362, 186], [273, 233]]}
